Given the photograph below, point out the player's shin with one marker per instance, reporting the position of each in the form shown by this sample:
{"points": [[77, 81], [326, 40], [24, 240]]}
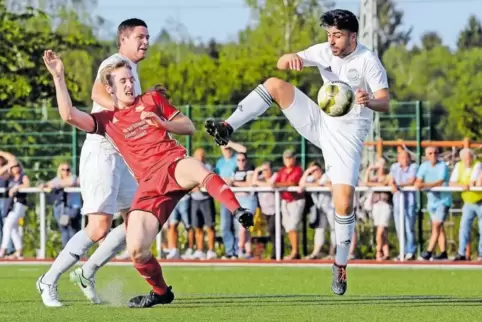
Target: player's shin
{"points": [[344, 222], [252, 106], [220, 191], [142, 229]]}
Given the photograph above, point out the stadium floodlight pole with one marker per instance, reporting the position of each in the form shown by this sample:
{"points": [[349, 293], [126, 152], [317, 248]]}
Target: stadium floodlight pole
{"points": [[368, 36]]}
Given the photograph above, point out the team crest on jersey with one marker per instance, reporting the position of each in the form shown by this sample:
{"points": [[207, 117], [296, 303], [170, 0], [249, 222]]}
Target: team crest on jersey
{"points": [[140, 108], [353, 74], [328, 69]]}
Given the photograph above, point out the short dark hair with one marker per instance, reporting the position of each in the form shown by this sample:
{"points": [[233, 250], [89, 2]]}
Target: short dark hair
{"points": [[340, 19], [127, 26]]}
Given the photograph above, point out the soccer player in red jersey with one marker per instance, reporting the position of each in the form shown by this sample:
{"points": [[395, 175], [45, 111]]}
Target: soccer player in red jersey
{"points": [[140, 128]]}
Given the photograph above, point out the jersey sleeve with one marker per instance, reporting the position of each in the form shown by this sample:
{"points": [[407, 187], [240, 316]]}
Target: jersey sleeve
{"points": [[101, 119], [376, 74], [312, 56], [168, 110]]}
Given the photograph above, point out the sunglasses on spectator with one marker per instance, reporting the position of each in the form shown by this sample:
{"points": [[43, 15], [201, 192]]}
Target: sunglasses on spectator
{"points": [[66, 169]]}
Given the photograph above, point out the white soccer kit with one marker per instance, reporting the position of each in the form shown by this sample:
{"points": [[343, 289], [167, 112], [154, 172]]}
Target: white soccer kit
{"points": [[339, 138], [106, 183]]}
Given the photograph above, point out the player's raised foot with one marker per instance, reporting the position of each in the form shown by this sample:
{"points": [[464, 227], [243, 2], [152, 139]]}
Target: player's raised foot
{"points": [[48, 293], [151, 299], [87, 286], [338, 285], [220, 131], [244, 217]]}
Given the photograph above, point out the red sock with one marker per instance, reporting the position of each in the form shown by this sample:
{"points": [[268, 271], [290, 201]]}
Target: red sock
{"points": [[152, 273], [220, 191]]}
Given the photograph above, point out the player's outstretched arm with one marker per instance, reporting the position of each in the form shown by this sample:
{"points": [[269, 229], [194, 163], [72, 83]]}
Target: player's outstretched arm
{"points": [[69, 114]]}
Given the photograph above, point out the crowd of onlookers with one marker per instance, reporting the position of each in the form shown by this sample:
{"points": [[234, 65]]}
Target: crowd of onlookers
{"points": [[197, 211]]}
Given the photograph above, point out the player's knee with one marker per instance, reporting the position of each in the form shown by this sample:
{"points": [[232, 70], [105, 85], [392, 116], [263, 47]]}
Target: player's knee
{"points": [[138, 253], [274, 86], [344, 207]]}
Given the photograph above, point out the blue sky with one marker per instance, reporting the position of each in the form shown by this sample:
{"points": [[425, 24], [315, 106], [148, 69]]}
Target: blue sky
{"points": [[221, 19]]}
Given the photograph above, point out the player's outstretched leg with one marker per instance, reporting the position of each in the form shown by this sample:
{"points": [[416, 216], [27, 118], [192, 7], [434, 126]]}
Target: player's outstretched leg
{"points": [[142, 229], [344, 229], [252, 106], [190, 173], [84, 277]]}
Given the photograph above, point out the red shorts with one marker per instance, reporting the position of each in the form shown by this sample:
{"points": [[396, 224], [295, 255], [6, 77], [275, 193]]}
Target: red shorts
{"points": [[159, 193]]}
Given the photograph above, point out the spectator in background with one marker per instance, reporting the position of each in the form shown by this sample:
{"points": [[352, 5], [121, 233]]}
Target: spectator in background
{"points": [[7, 160], [225, 168], [203, 214], [292, 203], [243, 177], [322, 213], [66, 205], [464, 175], [15, 211], [435, 173], [380, 206], [263, 176], [403, 174], [180, 213]]}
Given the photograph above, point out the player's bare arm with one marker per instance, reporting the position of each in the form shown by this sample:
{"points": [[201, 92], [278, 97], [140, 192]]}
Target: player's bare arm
{"points": [[179, 124], [11, 161], [379, 103], [81, 120], [290, 62], [101, 96], [238, 147]]}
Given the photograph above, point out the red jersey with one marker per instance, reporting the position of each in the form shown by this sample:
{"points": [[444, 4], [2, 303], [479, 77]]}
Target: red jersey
{"points": [[293, 176], [143, 147]]}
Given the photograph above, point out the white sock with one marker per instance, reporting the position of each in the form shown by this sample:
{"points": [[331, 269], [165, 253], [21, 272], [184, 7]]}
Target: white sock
{"points": [[71, 254], [319, 239], [344, 229], [113, 244], [252, 106]]}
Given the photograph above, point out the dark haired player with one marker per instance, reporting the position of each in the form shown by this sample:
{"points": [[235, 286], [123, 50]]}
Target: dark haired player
{"points": [[340, 138]]}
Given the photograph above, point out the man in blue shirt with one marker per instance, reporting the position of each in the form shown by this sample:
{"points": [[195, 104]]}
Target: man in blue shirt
{"points": [[225, 168], [435, 173], [403, 174]]}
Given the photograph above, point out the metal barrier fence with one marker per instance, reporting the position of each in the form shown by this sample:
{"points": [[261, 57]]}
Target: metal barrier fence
{"points": [[41, 254]]}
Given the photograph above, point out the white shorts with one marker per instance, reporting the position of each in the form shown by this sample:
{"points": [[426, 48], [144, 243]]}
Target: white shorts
{"points": [[381, 213], [106, 183], [339, 138], [291, 213]]}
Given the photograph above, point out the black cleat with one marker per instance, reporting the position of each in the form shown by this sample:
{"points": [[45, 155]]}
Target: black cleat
{"points": [[459, 258], [151, 299], [220, 131], [338, 284], [244, 217], [426, 256], [441, 256]]}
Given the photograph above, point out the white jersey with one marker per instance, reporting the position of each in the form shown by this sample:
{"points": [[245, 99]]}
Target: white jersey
{"points": [[97, 108], [361, 70]]}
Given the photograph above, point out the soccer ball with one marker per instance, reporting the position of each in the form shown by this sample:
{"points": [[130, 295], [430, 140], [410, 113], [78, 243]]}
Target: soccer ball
{"points": [[336, 98]]}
